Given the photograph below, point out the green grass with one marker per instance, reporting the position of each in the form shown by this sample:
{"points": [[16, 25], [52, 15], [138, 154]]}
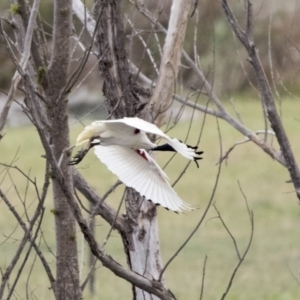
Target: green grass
{"points": [[273, 256]]}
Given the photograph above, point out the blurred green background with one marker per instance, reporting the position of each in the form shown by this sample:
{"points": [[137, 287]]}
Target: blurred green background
{"points": [[270, 270], [276, 28]]}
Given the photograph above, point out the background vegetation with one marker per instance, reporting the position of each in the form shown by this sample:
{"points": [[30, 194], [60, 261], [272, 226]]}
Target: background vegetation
{"points": [[270, 270], [275, 23]]}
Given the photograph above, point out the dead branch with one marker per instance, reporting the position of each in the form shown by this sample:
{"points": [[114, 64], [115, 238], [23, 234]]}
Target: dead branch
{"points": [[145, 45], [152, 287], [229, 232], [41, 199], [246, 39], [203, 278], [204, 213], [220, 112], [32, 242], [27, 236], [241, 257], [106, 212], [23, 63]]}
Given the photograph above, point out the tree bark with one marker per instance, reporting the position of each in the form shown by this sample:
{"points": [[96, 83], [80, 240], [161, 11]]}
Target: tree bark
{"points": [[67, 272], [141, 244], [117, 82], [172, 51], [144, 250]]}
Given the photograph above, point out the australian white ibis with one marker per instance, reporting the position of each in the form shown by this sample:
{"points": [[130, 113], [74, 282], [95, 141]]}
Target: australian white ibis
{"points": [[122, 146]]}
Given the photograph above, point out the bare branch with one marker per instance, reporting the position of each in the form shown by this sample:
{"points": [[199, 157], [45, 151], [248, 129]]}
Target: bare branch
{"points": [[229, 232], [90, 274], [106, 212], [140, 281], [84, 16], [22, 65], [226, 155], [32, 242], [97, 207], [266, 94], [112, 225], [203, 278], [145, 45], [242, 258], [203, 215], [27, 235], [221, 112]]}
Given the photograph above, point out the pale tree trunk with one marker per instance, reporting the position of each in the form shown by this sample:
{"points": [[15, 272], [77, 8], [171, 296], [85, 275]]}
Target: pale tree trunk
{"points": [[145, 255], [163, 93], [142, 242], [143, 251], [67, 273]]}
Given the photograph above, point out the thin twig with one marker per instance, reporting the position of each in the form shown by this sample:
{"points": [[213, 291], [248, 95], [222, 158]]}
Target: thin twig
{"points": [[203, 215], [265, 91], [23, 62], [32, 242], [99, 204], [203, 278], [229, 232], [241, 260], [112, 225]]}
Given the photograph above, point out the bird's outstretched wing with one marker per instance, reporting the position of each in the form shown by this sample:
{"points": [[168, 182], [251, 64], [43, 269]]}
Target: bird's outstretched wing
{"points": [[183, 149], [133, 123], [137, 169]]}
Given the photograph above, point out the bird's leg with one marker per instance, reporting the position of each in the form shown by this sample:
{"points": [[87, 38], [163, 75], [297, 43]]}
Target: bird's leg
{"points": [[83, 152]]}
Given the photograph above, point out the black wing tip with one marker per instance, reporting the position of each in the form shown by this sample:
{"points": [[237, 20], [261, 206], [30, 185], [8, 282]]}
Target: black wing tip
{"points": [[196, 152], [196, 158], [195, 148], [158, 204], [192, 147]]}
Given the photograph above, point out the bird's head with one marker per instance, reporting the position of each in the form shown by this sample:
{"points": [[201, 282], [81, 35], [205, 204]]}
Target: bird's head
{"points": [[88, 132]]}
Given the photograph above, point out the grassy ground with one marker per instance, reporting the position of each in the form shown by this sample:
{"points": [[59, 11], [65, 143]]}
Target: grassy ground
{"points": [[272, 264]]}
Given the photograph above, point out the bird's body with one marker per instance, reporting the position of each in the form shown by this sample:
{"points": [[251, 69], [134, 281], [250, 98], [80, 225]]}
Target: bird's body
{"points": [[114, 132], [121, 145]]}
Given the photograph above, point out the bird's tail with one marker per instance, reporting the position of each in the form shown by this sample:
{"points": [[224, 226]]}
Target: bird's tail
{"points": [[187, 151]]}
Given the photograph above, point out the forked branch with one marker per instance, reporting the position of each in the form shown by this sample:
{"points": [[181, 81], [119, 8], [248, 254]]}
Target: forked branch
{"points": [[265, 91], [241, 258]]}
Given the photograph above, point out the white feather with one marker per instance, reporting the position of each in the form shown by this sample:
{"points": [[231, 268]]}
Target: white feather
{"points": [[125, 135], [142, 174], [123, 145]]}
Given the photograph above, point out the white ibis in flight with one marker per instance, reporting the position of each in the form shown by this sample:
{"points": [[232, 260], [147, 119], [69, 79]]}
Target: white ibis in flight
{"points": [[122, 146]]}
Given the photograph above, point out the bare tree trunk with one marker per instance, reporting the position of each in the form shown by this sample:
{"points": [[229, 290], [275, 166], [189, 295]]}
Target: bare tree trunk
{"points": [[165, 88], [54, 125], [142, 242], [144, 250], [67, 272], [121, 99]]}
